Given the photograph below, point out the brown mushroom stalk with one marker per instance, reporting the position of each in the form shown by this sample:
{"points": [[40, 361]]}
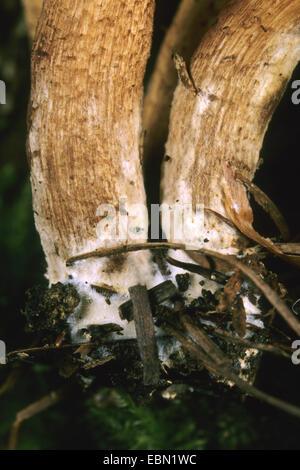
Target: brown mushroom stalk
{"points": [[240, 70], [88, 65], [221, 109]]}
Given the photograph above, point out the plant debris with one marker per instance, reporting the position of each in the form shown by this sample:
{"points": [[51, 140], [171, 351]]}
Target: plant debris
{"points": [[145, 334], [268, 205], [47, 310], [158, 294], [183, 281], [240, 213], [209, 333]]}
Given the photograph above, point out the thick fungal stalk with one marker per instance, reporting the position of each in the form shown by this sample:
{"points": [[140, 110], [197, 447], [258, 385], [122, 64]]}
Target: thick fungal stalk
{"points": [[220, 112], [240, 71], [88, 66]]}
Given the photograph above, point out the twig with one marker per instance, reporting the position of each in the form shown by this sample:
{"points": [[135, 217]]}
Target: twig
{"points": [[197, 269], [33, 409], [145, 333], [11, 380], [269, 293], [228, 374], [44, 349], [289, 248], [230, 291], [208, 345], [247, 343], [102, 252]]}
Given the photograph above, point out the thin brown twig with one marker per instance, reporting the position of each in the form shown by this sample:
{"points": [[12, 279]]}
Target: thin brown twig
{"points": [[228, 374], [44, 349], [207, 344], [37, 407], [289, 248], [269, 293], [247, 343], [103, 252], [11, 380], [213, 275]]}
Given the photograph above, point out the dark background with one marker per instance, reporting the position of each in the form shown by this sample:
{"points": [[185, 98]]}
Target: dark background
{"points": [[209, 419]]}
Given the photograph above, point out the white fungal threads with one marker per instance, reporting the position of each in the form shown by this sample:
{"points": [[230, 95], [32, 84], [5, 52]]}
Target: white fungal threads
{"points": [[137, 268], [94, 308]]}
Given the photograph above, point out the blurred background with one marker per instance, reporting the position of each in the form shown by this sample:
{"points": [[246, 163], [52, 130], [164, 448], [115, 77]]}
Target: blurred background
{"points": [[208, 419]]}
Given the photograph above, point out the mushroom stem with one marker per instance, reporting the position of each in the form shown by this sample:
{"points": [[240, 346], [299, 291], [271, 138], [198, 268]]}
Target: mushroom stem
{"points": [[240, 69], [88, 65], [220, 112]]}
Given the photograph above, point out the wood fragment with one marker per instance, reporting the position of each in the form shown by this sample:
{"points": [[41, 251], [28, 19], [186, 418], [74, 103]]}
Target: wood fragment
{"points": [[239, 316], [158, 294], [106, 291], [84, 349], [145, 334], [231, 289]]}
